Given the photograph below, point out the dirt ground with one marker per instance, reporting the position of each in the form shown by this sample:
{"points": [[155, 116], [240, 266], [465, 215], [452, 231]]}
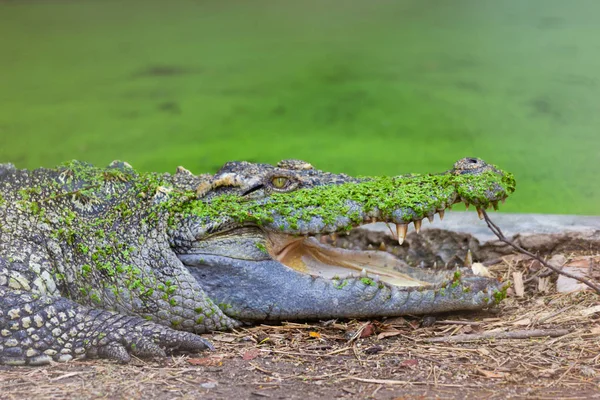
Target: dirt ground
{"points": [[551, 351]]}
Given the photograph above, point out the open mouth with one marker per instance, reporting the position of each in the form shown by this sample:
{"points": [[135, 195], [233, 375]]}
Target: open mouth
{"points": [[322, 256]]}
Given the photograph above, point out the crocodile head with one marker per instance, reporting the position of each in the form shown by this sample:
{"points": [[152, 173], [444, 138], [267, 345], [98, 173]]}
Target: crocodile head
{"points": [[255, 240]]}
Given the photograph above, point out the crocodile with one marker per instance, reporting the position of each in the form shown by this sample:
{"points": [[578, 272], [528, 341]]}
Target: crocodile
{"points": [[114, 263]]}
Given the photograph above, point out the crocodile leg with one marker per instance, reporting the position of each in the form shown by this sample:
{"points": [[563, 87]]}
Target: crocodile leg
{"points": [[35, 329]]}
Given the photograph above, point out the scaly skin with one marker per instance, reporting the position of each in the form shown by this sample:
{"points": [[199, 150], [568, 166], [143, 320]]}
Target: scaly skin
{"points": [[106, 262]]}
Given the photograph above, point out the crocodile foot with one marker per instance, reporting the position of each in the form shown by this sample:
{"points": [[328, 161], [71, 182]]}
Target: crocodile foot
{"points": [[35, 330]]}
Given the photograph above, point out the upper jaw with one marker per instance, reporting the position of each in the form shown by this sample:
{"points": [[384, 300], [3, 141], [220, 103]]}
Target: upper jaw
{"points": [[399, 200], [401, 218], [329, 207], [356, 215]]}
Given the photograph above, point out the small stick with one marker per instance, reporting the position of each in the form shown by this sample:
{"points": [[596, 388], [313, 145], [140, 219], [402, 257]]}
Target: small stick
{"points": [[568, 369], [449, 321], [343, 349], [542, 320], [496, 230], [523, 334], [397, 382], [293, 353]]}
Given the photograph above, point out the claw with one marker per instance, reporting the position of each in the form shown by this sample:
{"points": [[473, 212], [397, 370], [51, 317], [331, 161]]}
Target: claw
{"points": [[185, 341]]}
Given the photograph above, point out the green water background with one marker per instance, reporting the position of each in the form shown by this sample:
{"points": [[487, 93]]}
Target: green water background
{"points": [[363, 87]]}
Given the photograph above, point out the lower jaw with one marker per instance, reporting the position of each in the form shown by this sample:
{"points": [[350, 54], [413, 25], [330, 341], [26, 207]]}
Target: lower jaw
{"points": [[268, 291]]}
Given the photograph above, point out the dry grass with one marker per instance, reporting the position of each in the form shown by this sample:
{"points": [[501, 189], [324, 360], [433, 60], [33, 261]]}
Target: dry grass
{"points": [[392, 358]]}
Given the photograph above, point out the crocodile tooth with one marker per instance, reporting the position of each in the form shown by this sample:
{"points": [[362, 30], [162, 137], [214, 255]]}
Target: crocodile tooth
{"points": [[495, 205], [503, 200], [373, 220], [469, 259], [382, 246], [466, 205], [401, 232], [363, 273], [323, 239], [480, 212], [417, 225], [430, 218], [370, 247], [441, 212], [376, 278]]}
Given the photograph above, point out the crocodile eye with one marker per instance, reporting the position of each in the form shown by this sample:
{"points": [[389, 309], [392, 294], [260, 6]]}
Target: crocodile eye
{"points": [[280, 182]]}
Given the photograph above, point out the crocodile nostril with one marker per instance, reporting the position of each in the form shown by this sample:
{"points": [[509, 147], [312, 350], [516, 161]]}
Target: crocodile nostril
{"points": [[472, 160]]}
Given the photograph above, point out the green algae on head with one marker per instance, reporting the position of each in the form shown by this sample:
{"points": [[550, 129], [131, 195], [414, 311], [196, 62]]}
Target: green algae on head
{"points": [[331, 207]]}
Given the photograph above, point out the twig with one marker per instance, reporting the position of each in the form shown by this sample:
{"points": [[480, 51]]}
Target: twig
{"points": [[496, 230], [343, 349], [554, 314], [397, 382], [523, 334], [266, 371], [358, 332], [448, 321], [292, 353], [568, 370]]}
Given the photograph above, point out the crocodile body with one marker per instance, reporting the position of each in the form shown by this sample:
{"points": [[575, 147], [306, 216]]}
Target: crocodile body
{"points": [[108, 262]]}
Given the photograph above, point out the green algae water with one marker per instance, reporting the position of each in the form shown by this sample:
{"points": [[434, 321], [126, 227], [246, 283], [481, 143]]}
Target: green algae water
{"points": [[363, 87]]}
